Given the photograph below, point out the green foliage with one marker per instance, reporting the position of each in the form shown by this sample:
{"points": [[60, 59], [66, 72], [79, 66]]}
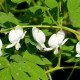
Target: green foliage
{"points": [[46, 32], [21, 71], [7, 19], [3, 62], [18, 58], [20, 1], [50, 16], [29, 39], [68, 48], [35, 8], [39, 72], [74, 12], [47, 20], [38, 59], [5, 74], [51, 3], [64, 0], [70, 60]]}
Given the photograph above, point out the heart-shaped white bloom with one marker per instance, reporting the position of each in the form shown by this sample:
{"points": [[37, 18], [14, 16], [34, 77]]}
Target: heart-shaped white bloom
{"points": [[20, 32], [39, 37], [14, 37], [78, 49], [0, 47], [56, 40], [60, 36], [53, 41]]}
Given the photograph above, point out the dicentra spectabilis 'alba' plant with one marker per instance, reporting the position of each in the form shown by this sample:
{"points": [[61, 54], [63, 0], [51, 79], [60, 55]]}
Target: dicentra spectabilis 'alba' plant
{"points": [[14, 37], [39, 37], [56, 40], [78, 49], [0, 47]]}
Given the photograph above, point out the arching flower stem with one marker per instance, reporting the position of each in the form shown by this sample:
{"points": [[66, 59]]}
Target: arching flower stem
{"points": [[64, 67], [46, 26]]}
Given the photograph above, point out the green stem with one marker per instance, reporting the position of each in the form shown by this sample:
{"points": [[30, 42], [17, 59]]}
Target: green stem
{"points": [[59, 59], [46, 26], [16, 52], [58, 14], [49, 13], [30, 26], [43, 26], [59, 10], [33, 2], [16, 10], [71, 30], [6, 9], [65, 16], [2, 7], [60, 5], [59, 68], [50, 78], [51, 16], [72, 72]]}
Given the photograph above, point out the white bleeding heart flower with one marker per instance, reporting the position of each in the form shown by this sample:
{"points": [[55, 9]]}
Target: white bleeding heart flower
{"points": [[14, 37], [78, 49], [56, 40], [60, 36], [39, 37], [53, 41], [0, 47], [20, 32]]}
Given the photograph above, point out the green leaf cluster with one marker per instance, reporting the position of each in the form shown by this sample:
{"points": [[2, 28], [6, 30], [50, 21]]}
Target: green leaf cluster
{"points": [[23, 67], [74, 12], [29, 63]]}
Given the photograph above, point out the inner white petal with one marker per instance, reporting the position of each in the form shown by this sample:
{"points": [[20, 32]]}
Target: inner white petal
{"points": [[64, 41], [56, 51], [77, 55], [78, 47], [48, 49], [39, 47], [17, 46], [23, 34], [10, 45], [0, 44]]}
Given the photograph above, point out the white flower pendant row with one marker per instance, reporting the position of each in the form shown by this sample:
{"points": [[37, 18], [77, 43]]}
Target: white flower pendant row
{"points": [[15, 35], [54, 41]]}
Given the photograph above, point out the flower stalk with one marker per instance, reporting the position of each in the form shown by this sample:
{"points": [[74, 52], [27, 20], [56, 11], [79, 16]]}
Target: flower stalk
{"points": [[59, 59], [59, 68], [46, 26]]}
